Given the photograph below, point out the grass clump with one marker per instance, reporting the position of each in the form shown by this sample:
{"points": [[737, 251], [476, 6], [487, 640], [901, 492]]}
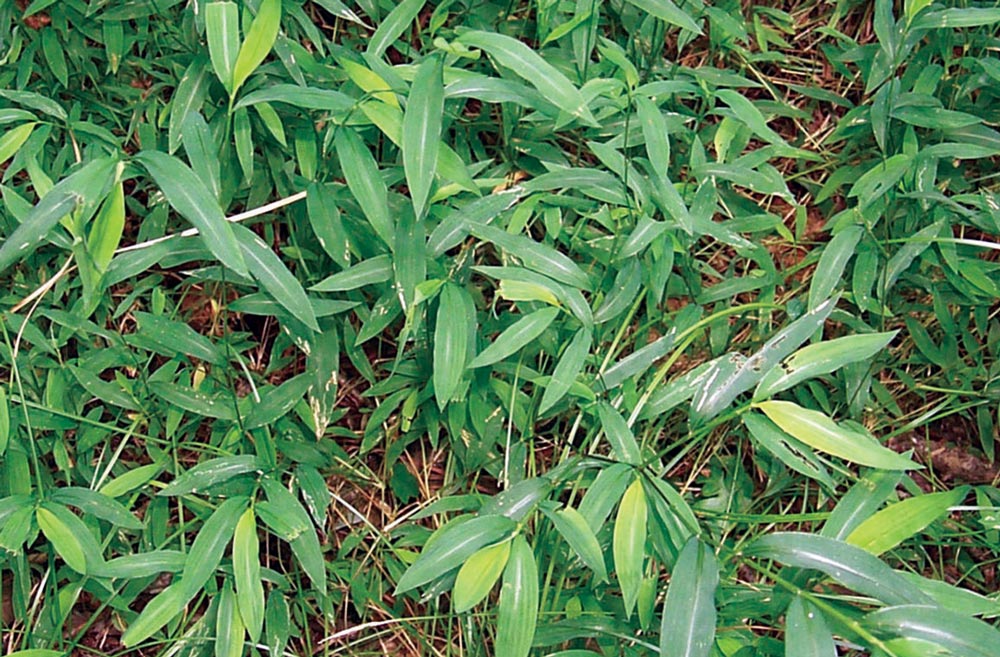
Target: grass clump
{"points": [[553, 328]]}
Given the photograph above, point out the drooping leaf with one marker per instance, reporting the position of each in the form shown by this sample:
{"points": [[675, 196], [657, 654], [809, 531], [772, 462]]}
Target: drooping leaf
{"points": [[451, 545], [959, 635], [518, 609], [533, 68], [819, 431], [82, 189], [246, 573], [478, 575], [515, 337], [273, 276], [898, 522], [629, 543], [189, 196], [689, 615], [848, 565], [222, 28], [806, 632]]}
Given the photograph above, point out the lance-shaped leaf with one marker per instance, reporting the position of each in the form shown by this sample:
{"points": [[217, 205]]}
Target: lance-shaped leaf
{"points": [[518, 612], [821, 358], [82, 189], [898, 522], [958, 635], [820, 432], [451, 341], [246, 572], [274, 277], [452, 544], [806, 632], [533, 68], [848, 565], [365, 182], [574, 528], [222, 28], [629, 544], [210, 473], [189, 196], [689, 616], [422, 131], [260, 37], [567, 369], [733, 376], [478, 575], [516, 336]]}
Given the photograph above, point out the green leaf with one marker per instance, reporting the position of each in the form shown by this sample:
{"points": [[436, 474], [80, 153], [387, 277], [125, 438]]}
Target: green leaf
{"points": [[259, 39], [898, 522], [478, 575], [518, 608], [81, 189], [129, 481], [733, 375], [372, 271], [860, 502], [35, 101], [229, 630], [629, 544], [324, 217], [66, 544], [689, 616], [268, 269], [392, 26], [958, 635], [848, 565], [13, 139], [451, 341], [820, 432], [277, 622], [748, 113], [303, 539], [539, 257], [106, 232], [422, 131], [515, 337], [655, 133], [200, 403], [451, 545], [956, 17], [276, 402], [143, 564], [529, 65], [96, 504], [178, 338], [787, 449], [668, 12], [304, 97], [806, 632], [567, 369], [210, 473], [365, 181], [156, 613], [189, 196], [619, 435], [222, 27], [4, 422], [832, 262], [187, 98], [574, 528], [210, 543], [821, 358], [879, 179], [246, 573], [202, 151]]}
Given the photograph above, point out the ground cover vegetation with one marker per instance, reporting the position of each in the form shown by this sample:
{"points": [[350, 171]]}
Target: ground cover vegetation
{"points": [[559, 327]]}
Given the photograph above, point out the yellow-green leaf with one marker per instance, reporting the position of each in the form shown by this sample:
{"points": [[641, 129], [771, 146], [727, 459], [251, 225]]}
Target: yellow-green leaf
{"points": [[817, 430], [65, 542], [106, 231], [898, 522], [478, 575], [246, 572], [630, 542], [260, 37]]}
